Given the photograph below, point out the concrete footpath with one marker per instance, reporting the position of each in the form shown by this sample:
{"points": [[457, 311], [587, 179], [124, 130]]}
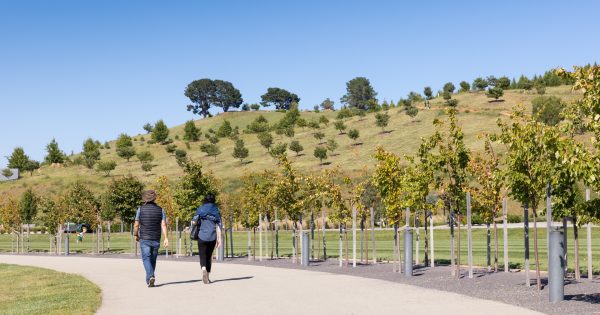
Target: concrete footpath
{"points": [[244, 289]]}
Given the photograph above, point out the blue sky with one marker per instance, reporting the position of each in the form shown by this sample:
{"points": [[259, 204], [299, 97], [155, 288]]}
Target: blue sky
{"points": [[77, 69]]}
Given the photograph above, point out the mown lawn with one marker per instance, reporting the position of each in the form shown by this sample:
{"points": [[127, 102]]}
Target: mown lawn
{"points": [[30, 290], [120, 243]]}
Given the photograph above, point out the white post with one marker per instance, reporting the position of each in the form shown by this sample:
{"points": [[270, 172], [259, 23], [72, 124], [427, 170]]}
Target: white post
{"points": [[416, 240], [259, 237], [469, 236], [353, 236], [373, 237], [589, 241], [267, 237], [548, 218], [431, 241], [505, 227], [177, 239]]}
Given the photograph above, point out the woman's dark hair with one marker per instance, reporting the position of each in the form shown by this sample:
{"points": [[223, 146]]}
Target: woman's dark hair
{"points": [[209, 198]]}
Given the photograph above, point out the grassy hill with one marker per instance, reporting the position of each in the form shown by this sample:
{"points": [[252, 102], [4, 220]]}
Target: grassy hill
{"points": [[476, 113]]}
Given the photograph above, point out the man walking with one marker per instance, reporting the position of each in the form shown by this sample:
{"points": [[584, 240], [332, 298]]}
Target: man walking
{"points": [[150, 221]]}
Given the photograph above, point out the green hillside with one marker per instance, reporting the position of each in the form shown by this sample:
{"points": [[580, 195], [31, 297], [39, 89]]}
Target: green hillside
{"points": [[476, 113]]}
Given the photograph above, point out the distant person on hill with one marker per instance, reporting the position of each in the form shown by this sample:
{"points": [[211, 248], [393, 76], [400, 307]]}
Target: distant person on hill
{"points": [[209, 234], [150, 221]]}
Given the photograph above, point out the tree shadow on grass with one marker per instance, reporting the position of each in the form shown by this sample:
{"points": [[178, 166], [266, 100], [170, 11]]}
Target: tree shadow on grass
{"points": [[326, 163], [385, 132], [357, 144], [247, 162]]}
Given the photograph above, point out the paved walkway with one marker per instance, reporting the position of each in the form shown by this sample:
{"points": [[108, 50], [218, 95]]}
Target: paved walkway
{"points": [[243, 289]]}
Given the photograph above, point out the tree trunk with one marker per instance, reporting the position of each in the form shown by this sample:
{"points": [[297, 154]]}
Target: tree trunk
{"points": [[496, 247], [526, 232], [312, 236], [28, 236], [535, 249], [260, 239], [108, 237], [576, 250], [324, 242], [396, 254], [346, 241], [452, 261], [488, 247], [276, 235], [589, 241], [231, 234], [565, 230], [458, 248], [341, 246], [249, 245], [254, 243], [505, 230]]}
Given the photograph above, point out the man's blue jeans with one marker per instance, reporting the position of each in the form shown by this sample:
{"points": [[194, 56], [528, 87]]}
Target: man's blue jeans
{"points": [[149, 251]]}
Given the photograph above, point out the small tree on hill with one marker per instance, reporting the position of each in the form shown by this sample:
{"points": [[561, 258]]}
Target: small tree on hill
{"points": [[278, 150], [449, 87], [266, 140], [106, 166], [18, 159], [254, 107], [7, 172], [145, 156], [55, 155], [495, 93], [503, 83], [225, 129], [240, 151], [327, 104], [191, 132], [210, 149], [464, 87], [280, 98], [339, 126], [321, 154], [354, 135], [381, 120], [296, 147], [181, 157], [31, 166], [160, 132], [148, 127], [331, 145], [302, 123], [548, 109], [91, 153], [319, 136], [323, 120], [170, 148], [479, 84], [125, 147], [411, 112]]}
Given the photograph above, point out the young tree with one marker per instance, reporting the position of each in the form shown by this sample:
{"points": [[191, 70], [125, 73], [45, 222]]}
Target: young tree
{"points": [[31, 166], [148, 127], [181, 157], [428, 95], [280, 98], [548, 109], [278, 150], [339, 126], [170, 148], [327, 104], [412, 112], [145, 157], [160, 132], [464, 87], [125, 147], [254, 107], [225, 129], [449, 87], [80, 204], [266, 140], [210, 149], [314, 125], [106, 166], [296, 147], [381, 120], [331, 145], [358, 93], [354, 135], [503, 83], [524, 83], [191, 132], [91, 153], [124, 196], [28, 207], [240, 151], [323, 120], [260, 124], [18, 159], [192, 188], [7, 172], [320, 153], [319, 136], [55, 155], [495, 93], [302, 123]]}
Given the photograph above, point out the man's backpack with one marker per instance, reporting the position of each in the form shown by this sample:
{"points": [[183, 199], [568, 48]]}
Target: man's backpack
{"points": [[194, 227]]}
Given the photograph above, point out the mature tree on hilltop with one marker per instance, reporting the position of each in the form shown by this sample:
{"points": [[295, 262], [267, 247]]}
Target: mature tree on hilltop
{"points": [[479, 84], [18, 159], [548, 109], [495, 93], [201, 93], [91, 153], [148, 127], [226, 95], [327, 104], [280, 98], [254, 107], [240, 151], [106, 166], [124, 146], [55, 155], [160, 132], [464, 86], [358, 93], [449, 87], [191, 132], [354, 135], [381, 120], [296, 147], [503, 83], [321, 154], [124, 195], [266, 140], [339, 126]]}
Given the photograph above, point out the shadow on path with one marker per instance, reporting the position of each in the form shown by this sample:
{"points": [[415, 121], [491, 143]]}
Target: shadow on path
{"points": [[177, 282], [233, 279]]}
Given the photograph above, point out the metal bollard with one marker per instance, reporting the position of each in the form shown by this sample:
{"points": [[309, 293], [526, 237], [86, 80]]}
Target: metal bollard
{"points": [[556, 275], [408, 252], [221, 249], [305, 249]]}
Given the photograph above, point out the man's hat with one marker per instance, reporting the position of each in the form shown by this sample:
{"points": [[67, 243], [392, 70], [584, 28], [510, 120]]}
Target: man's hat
{"points": [[148, 196]]}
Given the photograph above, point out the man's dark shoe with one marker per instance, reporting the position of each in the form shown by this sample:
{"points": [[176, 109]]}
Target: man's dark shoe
{"points": [[205, 276], [151, 282]]}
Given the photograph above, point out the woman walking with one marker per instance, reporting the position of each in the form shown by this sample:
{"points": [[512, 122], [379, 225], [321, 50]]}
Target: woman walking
{"points": [[209, 234]]}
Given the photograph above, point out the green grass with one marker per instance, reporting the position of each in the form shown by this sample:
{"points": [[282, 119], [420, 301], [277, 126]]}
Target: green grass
{"points": [[30, 290], [476, 115], [384, 243]]}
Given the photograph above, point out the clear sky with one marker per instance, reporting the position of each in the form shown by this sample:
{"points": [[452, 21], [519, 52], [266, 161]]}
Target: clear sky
{"points": [[78, 69]]}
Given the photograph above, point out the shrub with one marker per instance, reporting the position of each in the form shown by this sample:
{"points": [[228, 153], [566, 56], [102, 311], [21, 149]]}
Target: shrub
{"points": [[548, 109], [514, 218]]}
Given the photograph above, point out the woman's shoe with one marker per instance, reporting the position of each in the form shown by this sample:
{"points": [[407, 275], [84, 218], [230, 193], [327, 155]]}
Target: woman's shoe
{"points": [[205, 276]]}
